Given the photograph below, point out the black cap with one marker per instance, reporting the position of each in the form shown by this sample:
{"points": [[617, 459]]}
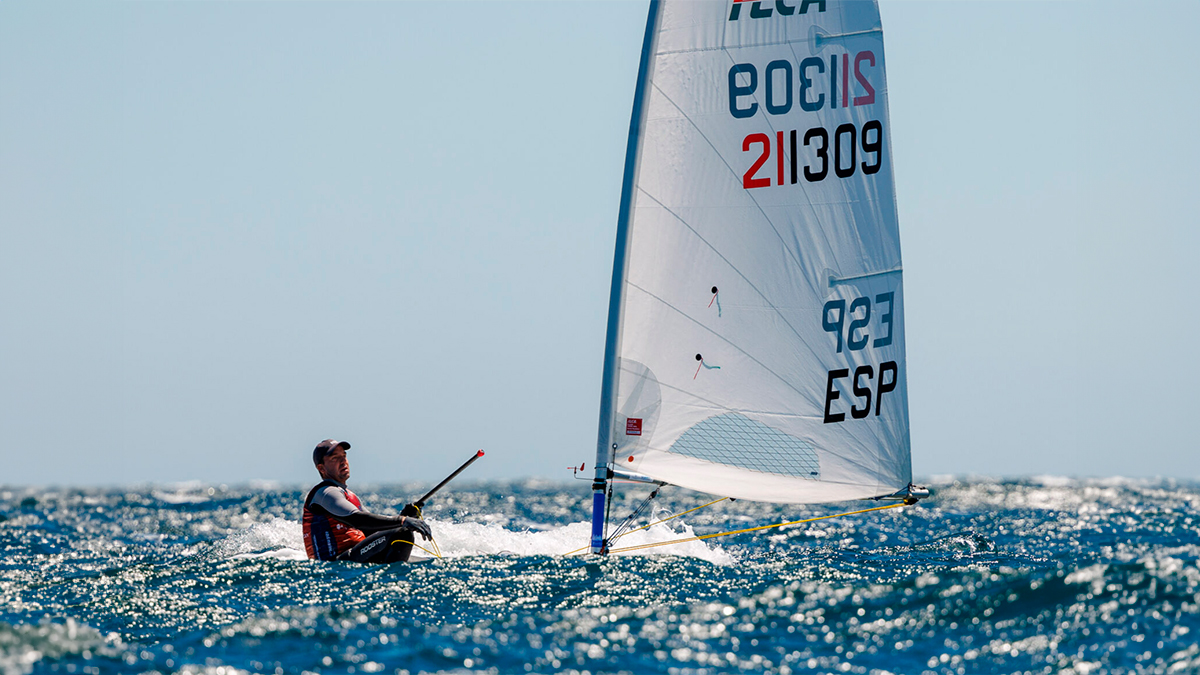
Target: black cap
{"points": [[325, 447]]}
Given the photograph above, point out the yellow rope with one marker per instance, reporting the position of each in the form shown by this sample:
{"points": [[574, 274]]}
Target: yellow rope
{"points": [[669, 518], [436, 552], [405, 541], [751, 529], [682, 513]]}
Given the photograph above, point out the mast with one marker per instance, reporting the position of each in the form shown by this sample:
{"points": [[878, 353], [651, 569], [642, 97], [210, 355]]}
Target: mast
{"points": [[608, 387]]}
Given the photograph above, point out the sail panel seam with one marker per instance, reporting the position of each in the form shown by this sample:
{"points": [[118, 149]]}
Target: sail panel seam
{"points": [[761, 364]]}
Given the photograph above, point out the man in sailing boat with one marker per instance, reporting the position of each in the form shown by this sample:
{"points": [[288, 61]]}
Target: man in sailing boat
{"points": [[337, 528]]}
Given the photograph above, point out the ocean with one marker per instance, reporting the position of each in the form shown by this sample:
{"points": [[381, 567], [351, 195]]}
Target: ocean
{"points": [[1044, 575]]}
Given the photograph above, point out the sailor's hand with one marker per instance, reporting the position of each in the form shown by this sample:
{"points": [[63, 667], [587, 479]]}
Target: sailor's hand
{"points": [[416, 525]]}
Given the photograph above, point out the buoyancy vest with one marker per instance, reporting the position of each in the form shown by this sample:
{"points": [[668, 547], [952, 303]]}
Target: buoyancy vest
{"points": [[325, 537]]}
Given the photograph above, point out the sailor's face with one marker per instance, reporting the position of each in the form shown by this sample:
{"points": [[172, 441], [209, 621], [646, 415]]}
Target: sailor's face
{"points": [[336, 465]]}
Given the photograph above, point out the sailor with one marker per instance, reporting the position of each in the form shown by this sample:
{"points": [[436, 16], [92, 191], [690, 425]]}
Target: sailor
{"points": [[337, 528]]}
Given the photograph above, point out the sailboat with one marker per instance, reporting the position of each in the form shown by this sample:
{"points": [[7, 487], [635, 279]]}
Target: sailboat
{"points": [[755, 343]]}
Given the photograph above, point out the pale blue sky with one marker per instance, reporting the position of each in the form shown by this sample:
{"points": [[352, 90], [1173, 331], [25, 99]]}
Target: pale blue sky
{"points": [[233, 229]]}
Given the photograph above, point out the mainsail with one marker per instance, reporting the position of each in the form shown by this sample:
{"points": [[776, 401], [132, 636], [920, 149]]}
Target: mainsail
{"points": [[756, 327]]}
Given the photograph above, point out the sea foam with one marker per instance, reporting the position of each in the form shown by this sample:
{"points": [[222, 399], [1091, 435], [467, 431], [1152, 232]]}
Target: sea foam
{"points": [[283, 539]]}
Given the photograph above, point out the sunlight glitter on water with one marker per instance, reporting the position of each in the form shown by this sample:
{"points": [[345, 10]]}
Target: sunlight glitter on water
{"points": [[1035, 576], [281, 538]]}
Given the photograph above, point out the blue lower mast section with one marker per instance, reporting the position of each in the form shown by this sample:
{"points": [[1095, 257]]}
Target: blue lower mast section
{"points": [[598, 521]]}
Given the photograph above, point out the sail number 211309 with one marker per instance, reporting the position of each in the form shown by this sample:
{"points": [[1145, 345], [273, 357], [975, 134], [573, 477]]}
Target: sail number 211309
{"points": [[837, 150], [805, 86]]}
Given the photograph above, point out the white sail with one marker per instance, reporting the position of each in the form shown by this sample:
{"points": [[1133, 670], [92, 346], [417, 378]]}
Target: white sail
{"points": [[756, 343]]}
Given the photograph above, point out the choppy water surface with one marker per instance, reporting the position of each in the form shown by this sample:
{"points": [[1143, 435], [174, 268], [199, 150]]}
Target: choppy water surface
{"points": [[1036, 576]]}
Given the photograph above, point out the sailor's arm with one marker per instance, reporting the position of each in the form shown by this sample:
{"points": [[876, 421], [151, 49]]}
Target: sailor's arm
{"points": [[370, 522], [338, 507]]}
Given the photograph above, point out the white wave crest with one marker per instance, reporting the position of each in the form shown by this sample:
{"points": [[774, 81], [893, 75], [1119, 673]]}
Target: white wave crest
{"points": [[276, 538], [466, 539], [283, 539]]}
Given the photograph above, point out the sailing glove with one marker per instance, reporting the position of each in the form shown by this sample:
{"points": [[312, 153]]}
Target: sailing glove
{"points": [[416, 525]]}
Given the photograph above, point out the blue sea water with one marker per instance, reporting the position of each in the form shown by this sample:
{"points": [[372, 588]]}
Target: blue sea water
{"points": [[1033, 576]]}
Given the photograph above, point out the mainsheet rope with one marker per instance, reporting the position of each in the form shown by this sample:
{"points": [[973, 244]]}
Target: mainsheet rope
{"points": [[751, 529], [731, 532], [438, 554], [681, 513], [700, 537], [435, 553]]}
